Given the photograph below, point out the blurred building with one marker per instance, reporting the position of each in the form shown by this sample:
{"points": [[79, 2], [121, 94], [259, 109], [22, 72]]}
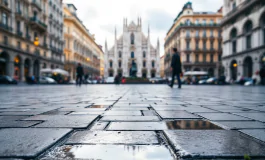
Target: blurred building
{"points": [[197, 35], [26, 28], [243, 38], [162, 66], [132, 53], [101, 62], [80, 45]]}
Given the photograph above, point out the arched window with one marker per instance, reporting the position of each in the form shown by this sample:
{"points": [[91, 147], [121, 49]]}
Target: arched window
{"points": [[233, 37], [144, 54], [119, 64], [132, 54], [248, 32], [119, 54], [110, 64], [132, 38], [188, 22], [144, 64], [4, 19], [263, 26], [153, 64]]}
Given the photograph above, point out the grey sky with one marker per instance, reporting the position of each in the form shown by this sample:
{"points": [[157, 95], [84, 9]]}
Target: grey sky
{"points": [[101, 16]]}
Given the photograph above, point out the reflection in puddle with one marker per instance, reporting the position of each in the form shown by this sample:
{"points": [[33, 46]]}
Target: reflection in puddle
{"points": [[191, 124], [99, 106], [111, 152]]}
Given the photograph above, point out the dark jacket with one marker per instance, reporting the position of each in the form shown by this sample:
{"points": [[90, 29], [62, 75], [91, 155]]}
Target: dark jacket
{"points": [[79, 71], [176, 63], [262, 72]]}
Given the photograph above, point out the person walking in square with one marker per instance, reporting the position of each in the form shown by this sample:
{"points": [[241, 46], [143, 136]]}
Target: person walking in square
{"points": [[79, 74], [175, 68]]}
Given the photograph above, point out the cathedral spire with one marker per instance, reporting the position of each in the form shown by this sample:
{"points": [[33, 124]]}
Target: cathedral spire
{"points": [[106, 45]]}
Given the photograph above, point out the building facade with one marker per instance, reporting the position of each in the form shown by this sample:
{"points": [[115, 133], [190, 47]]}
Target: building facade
{"points": [[132, 54], [80, 46], [24, 31], [197, 35], [243, 38], [162, 66]]}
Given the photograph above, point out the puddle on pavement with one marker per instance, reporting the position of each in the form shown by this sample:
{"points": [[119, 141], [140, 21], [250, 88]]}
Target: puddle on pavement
{"points": [[99, 106], [191, 124], [110, 152]]}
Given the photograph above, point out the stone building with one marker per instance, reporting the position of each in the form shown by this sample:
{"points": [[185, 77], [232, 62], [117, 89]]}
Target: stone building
{"points": [[243, 37], [162, 66], [132, 53], [24, 37], [197, 35], [80, 45]]}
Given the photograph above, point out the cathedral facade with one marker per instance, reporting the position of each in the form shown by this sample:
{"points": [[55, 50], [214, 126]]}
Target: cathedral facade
{"points": [[132, 54]]}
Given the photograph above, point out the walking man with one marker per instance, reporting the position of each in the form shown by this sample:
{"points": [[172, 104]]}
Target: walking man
{"points": [[79, 74], [175, 68], [262, 75]]}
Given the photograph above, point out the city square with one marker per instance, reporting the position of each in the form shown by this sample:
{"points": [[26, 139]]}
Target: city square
{"points": [[132, 80], [132, 122]]}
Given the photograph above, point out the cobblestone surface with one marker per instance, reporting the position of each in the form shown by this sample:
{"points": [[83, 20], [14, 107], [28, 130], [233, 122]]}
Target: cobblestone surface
{"points": [[100, 121]]}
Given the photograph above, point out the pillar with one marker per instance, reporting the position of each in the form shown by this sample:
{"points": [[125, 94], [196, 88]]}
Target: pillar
{"points": [[11, 68], [22, 76]]}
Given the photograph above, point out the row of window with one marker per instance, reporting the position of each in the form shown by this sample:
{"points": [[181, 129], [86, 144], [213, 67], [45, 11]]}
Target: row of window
{"points": [[120, 64], [197, 33], [204, 45], [204, 58], [204, 22], [132, 54]]}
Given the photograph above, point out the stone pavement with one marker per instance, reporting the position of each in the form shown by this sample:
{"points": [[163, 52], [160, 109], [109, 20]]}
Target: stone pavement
{"points": [[132, 122]]}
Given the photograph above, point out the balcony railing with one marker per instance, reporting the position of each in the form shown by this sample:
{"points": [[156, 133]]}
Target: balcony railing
{"points": [[19, 12], [6, 27], [36, 4], [35, 19], [19, 33], [28, 37]]}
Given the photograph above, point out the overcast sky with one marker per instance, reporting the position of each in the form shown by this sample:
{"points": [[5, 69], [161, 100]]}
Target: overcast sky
{"points": [[101, 16]]}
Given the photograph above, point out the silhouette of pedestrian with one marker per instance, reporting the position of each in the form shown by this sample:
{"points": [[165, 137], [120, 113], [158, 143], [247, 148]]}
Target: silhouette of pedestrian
{"points": [[79, 74], [175, 68]]}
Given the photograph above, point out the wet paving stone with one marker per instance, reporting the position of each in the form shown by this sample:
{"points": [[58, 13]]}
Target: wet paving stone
{"points": [[255, 116], [26, 113], [123, 113], [149, 113], [215, 143], [82, 109], [24, 142], [64, 121], [111, 152], [99, 126], [240, 124], [17, 124], [177, 115], [130, 118], [86, 113], [256, 133], [114, 137], [222, 117], [98, 106], [129, 109], [136, 126], [191, 124]]}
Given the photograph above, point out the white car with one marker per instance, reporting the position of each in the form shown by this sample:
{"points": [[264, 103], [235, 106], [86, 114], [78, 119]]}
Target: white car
{"points": [[47, 80], [110, 80]]}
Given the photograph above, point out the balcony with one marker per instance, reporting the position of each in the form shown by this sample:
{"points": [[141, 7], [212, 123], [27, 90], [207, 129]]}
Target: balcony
{"points": [[18, 13], [4, 5], [199, 64], [197, 37], [38, 24], [28, 37], [211, 37], [36, 4], [19, 33], [188, 37], [5, 27]]}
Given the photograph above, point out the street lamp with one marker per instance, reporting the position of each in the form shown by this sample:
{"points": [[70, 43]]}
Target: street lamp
{"points": [[36, 42], [235, 65]]}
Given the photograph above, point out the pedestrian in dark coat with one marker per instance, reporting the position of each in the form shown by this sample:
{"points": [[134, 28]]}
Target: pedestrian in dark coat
{"points": [[79, 74], [262, 75], [175, 68]]}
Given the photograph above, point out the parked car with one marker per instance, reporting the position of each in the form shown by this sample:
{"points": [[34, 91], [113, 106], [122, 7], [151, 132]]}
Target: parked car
{"points": [[212, 80], [47, 80], [203, 81], [7, 80], [110, 80], [72, 82]]}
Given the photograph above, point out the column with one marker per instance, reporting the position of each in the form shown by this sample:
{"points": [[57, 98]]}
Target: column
{"points": [[22, 76], [10, 67]]}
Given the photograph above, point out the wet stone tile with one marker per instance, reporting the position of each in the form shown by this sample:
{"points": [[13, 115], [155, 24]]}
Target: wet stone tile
{"points": [[64, 121], [129, 109], [130, 118], [27, 113], [98, 106], [111, 152], [256, 133], [215, 143], [137, 126], [149, 113], [240, 124], [191, 124], [222, 117], [99, 126], [86, 113], [177, 115], [123, 113], [113, 137], [28, 142], [255, 116], [17, 124]]}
